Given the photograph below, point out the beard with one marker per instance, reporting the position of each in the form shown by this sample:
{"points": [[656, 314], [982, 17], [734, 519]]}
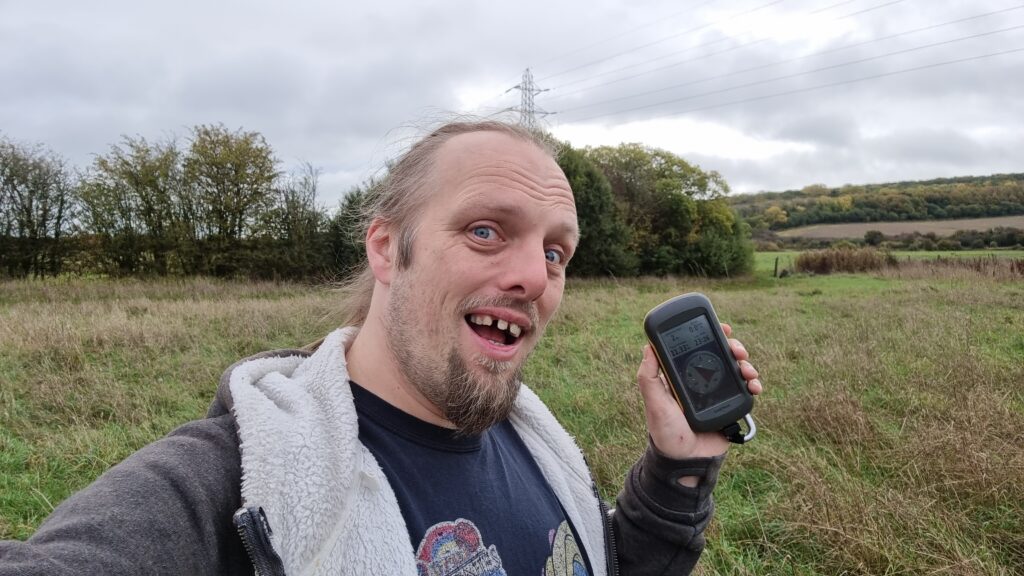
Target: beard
{"points": [[474, 403], [472, 400]]}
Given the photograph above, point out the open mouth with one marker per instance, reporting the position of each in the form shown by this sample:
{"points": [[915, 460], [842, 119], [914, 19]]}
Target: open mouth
{"points": [[495, 330]]}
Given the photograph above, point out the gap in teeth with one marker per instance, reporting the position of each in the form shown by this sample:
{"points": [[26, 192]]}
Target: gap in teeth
{"points": [[486, 320]]}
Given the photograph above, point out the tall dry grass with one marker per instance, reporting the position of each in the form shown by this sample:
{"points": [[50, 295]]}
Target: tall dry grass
{"points": [[891, 433], [91, 370], [892, 429], [1003, 269], [852, 260]]}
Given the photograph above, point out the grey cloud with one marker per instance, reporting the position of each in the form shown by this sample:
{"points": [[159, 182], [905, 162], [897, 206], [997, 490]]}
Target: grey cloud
{"points": [[335, 84]]}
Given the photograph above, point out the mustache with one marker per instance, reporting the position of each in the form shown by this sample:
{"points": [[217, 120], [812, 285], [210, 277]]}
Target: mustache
{"points": [[525, 307]]}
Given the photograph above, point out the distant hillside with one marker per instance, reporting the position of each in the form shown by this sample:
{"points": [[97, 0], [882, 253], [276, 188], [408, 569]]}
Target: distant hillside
{"points": [[939, 199]]}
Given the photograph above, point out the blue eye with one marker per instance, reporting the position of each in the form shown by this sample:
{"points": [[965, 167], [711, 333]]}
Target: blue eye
{"points": [[553, 256], [484, 232]]}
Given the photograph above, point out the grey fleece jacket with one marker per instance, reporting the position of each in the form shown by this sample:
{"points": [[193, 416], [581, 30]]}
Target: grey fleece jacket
{"points": [[167, 509]]}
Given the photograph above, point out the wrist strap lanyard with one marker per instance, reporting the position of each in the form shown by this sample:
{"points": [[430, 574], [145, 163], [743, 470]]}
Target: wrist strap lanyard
{"points": [[734, 433]]}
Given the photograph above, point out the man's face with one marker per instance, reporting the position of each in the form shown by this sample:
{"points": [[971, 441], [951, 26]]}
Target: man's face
{"points": [[486, 275]]}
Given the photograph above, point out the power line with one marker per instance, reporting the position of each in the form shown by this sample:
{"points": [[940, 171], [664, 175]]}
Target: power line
{"points": [[852, 14], [813, 88], [605, 40], [664, 39], [786, 61], [481, 105], [703, 56], [672, 16], [826, 8], [794, 75]]}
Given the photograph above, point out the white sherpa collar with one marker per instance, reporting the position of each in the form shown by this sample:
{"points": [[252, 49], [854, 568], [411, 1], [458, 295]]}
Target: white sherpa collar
{"points": [[302, 462]]}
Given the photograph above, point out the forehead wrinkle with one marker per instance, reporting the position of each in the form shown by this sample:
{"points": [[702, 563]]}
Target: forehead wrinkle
{"points": [[555, 180], [554, 191], [479, 187]]}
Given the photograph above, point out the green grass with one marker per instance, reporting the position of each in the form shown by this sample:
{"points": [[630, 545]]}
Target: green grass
{"points": [[891, 422], [891, 430]]}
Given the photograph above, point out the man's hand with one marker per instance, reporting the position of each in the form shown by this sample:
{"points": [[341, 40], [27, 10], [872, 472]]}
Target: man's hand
{"points": [[669, 430]]}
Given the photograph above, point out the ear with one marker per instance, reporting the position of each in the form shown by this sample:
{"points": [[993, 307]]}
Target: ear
{"points": [[381, 249]]}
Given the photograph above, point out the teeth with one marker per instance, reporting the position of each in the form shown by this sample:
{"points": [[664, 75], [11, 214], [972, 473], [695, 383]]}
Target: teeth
{"points": [[481, 319], [485, 320]]}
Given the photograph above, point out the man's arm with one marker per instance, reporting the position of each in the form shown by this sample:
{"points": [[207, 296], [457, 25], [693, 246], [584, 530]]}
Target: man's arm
{"points": [[164, 510], [659, 523], [666, 502]]}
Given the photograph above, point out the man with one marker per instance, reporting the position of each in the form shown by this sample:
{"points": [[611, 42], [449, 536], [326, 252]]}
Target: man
{"points": [[405, 443]]}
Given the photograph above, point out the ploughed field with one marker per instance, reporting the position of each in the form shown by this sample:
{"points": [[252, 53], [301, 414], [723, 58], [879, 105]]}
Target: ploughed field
{"points": [[939, 227], [891, 433]]}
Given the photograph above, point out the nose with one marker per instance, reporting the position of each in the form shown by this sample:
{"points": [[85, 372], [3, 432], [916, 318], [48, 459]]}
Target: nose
{"points": [[524, 272]]}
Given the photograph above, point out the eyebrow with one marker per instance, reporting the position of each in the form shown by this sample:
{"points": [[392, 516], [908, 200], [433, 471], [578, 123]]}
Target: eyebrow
{"points": [[516, 211]]}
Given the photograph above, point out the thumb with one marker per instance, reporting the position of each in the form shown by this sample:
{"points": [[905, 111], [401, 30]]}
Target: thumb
{"points": [[659, 403], [669, 430]]}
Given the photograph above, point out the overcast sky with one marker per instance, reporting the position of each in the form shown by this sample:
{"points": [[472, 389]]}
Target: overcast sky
{"points": [[774, 95]]}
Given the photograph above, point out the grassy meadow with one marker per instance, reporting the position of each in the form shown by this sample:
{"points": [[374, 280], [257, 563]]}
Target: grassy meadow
{"points": [[891, 432]]}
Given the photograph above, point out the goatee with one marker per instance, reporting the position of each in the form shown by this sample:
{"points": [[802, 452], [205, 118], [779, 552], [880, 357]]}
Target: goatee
{"points": [[476, 404]]}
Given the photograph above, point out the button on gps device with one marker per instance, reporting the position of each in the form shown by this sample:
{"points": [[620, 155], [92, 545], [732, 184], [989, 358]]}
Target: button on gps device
{"points": [[701, 371]]}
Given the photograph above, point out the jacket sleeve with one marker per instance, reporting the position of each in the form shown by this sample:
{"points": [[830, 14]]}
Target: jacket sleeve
{"points": [[659, 524], [164, 510]]}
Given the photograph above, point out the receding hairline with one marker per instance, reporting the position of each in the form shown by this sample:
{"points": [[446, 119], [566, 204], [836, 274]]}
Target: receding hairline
{"points": [[502, 131]]}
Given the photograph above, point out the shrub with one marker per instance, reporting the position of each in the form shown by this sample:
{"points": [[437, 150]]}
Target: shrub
{"points": [[843, 260]]}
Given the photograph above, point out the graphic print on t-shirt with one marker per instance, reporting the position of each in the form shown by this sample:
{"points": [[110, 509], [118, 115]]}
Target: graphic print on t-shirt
{"points": [[456, 549], [566, 559]]}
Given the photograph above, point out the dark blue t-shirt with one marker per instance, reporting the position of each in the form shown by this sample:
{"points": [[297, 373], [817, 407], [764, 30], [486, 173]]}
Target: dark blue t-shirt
{"points": [[475, 505]]}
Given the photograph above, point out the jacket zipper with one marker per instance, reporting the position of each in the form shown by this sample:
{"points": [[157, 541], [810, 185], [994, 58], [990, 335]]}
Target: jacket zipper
{"points": [[255, 532], [611, 551]]}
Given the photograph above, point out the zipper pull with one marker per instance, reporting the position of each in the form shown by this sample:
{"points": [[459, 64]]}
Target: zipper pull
{"points": [[254, 529]]}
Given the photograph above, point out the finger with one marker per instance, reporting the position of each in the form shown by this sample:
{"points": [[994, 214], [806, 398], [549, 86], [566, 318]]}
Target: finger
{"points": [[727, 329], [738, 350], [755, 386], [747, 370]]}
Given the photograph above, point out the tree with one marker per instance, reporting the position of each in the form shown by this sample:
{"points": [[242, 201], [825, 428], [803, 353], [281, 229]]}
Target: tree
{"points": [[723, 246], [873, 237], [229, 178], [345, 231], [130, 199], [293, 226], [604, 237], [775, 217], [36, 209], [676, 212]]}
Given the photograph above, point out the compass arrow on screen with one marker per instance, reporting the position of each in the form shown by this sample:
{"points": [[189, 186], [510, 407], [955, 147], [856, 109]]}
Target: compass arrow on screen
{"points": [[706, 373]]}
